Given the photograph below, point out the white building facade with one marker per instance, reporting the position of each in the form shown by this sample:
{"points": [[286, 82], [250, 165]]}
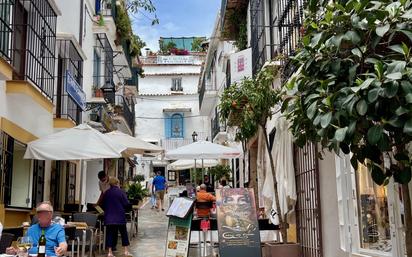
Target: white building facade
{"points": [[54, 56], [167, 106]]}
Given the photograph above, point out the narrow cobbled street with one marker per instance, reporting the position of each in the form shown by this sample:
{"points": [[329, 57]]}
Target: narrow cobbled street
{"points": [[151, 238]]}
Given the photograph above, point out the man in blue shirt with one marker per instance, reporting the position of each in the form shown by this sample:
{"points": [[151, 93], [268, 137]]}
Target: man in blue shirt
{"points": [[159, 187], [55, 237]]}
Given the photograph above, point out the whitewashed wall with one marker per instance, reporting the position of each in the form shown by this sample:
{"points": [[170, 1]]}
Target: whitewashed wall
{"points": [[152, 107], [162, 84]]}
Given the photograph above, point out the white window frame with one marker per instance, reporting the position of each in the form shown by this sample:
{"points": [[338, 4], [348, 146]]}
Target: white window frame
{"points": [[349, 213]]}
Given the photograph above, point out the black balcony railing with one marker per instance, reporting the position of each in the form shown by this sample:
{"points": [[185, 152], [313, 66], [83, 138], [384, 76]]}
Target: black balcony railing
{"points": [[202, 93], [5, 28], [33, 44], [70, 65], [103, 61], [126, 106], [281, 35], [217, 125], [67, 108]]}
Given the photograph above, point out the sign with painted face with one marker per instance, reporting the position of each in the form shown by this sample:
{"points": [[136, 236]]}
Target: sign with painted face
{"points": [[237, 223]]}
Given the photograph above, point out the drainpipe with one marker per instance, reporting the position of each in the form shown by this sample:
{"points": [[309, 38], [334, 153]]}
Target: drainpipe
{"points": [[81, 22]]}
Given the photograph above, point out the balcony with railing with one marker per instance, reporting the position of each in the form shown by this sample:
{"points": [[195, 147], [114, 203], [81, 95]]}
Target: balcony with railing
{"points": [[217, 126], [173, 143], [276, 30], [31, 46], [70, 98], [124, 111], [5, 29], [103, 68], [195, 59]]}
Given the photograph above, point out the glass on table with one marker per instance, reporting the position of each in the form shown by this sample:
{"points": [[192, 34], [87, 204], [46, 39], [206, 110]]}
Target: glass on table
{"points": [[23, 245]]}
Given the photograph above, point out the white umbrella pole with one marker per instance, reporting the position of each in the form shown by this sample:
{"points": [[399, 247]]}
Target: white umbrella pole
{"points": [[195, 172], [81, 185], [203, 173]]}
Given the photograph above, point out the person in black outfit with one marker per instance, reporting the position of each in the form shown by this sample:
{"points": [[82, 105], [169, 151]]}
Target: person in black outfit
{"points": [[209, 186]]}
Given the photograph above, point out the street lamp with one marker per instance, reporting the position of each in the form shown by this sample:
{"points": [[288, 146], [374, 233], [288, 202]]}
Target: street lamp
{"points": [[194, 136], [108, 91]]}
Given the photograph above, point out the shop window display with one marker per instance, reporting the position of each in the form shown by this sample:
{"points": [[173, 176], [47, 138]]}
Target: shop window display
{"points": [[374, 226]]}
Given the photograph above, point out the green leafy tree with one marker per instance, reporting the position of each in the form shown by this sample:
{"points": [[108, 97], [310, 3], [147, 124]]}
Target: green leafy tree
{"points": [[220, 171], [352, 91], [147, 6], [248, 105], [166, 48], [197, 44]]}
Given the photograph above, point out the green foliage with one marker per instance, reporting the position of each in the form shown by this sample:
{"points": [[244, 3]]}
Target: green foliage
{"points": [[123, 24], [237, 27], [220, 171], [136, 191], [352, 90], [166, 48], [250, 103], [197, 45], [135, 6], [136, 45], [138, 178]]}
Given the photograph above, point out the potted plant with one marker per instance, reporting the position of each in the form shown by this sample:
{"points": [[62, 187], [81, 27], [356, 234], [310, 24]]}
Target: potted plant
{"points": [[97, 91], [136, 193]]}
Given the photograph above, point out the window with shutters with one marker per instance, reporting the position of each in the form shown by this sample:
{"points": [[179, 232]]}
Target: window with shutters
{"points": [[177, 85]]}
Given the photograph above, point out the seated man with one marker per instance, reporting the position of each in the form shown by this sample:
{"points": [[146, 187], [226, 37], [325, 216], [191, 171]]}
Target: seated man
{"points": [[203, 197], [55, 236]]}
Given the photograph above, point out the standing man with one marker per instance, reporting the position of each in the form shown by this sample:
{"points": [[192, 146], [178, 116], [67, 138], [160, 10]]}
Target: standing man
{"points": [[103, 185], [159, 187], [152, 194]]}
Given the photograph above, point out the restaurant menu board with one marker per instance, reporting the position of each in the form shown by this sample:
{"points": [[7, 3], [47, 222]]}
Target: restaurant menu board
{"points": [[178, 237], [237, 223], [180, 207]]}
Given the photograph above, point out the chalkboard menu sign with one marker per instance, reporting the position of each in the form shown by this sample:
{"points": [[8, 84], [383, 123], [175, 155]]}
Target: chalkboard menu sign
{"points": [[237, 223]]}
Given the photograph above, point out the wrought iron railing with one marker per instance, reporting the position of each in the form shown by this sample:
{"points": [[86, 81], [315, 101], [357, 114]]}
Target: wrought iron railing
{"points": [[127, 111], [281, 35], [67, 108], [103, 61], [5, 28], [70, 65], [34, 43]]}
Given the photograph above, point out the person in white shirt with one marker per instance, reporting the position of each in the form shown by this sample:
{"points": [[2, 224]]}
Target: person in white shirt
{"points": [[152, 194]]}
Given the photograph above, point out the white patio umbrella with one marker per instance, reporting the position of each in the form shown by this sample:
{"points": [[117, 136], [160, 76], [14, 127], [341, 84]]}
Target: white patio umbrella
{"points": [[133, 144], [78, 143], [203, 150], [189, 164]]}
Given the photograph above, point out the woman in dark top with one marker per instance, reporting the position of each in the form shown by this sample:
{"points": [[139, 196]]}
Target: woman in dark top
{"points": [[115, 204]]}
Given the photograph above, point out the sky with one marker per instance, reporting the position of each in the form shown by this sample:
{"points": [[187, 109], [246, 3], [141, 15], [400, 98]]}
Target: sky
{"points": [[177, 18]]}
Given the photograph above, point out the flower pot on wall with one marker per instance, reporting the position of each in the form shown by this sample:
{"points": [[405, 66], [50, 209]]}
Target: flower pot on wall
{"points": [[281, 250]]}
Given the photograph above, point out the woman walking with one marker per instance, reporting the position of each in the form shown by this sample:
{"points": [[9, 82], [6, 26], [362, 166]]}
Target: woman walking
{"points": [[115, 204]]}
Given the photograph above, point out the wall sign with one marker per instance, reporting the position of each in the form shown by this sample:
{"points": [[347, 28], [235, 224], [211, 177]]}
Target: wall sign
{"points": [[237, 223], [75, 91], [240, 65]]}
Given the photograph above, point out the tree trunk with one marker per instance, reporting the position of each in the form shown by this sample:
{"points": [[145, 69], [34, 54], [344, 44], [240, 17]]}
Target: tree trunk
{"points": [[282, 222], [253, 175], [408, 219]]}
